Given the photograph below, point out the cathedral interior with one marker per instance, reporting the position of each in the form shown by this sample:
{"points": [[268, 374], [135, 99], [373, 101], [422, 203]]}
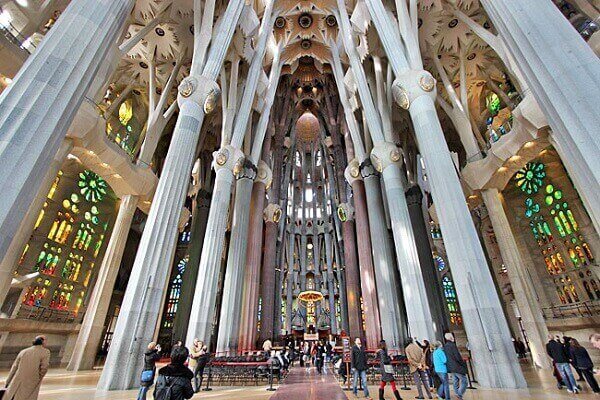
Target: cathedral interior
{"points": [[242, 171]]}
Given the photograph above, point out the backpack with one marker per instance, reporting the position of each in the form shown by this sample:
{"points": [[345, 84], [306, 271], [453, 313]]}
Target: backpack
{"points": [[164, 388]]}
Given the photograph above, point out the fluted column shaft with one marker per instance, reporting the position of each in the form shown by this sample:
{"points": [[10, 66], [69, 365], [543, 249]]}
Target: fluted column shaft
{"points": [[141, 308], [253, 256], [561, 69], [367, 269], [190, 276], [523, 291], [383, 260], [330, 283], [237, 275], [414, 200], [40, 104], [420, 323], [90, 334], [10, 262]]}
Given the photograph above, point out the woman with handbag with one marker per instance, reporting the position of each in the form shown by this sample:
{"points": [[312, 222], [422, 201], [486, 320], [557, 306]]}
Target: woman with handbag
{"points": [[151, 356], [387, 371]]}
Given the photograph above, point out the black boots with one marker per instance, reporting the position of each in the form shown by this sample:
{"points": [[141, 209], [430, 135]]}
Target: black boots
{"points": [[397, 395], [381, 394]]}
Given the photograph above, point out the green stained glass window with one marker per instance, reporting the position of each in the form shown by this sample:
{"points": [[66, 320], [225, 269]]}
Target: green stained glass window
{"points": [[530, 178], [91, 186]]}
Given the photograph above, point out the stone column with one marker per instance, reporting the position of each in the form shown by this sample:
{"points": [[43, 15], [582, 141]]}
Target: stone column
{"points": [[365, 257], [561, 69], [190, 276], [383, 260], [10, 261], [38, 107], [201, 324], [330, 282], [253, 256], [92, 327], [414, 201], [139, 315], [531, 312], [237, 275], [386, 158], [272, 214]]}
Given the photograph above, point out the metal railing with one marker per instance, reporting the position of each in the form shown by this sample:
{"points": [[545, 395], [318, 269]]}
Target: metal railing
{"points": [[576, 310]]}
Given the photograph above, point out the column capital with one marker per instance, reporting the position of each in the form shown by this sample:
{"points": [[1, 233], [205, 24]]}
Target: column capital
{"points": [[264, 174], [245, 170], [385, 154], [200, 90], [352, 171], [228, 157], [272, 213], [345, 212], [414, 196], [367, 169], [412, 84]]}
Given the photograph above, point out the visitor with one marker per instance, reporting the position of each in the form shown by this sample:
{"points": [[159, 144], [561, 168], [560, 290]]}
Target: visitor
{"points": [[199, 357], [595, 340], [387, 371], [567, 344], [328, 350], [151, 356], [26, 374], [582, 360], [559, 355], [175, 380], [456, 365], [340, 367], [358, 363], [319, 356], [418, 367], [426, 346], [441, 369], [520, 347], [267, 347]]}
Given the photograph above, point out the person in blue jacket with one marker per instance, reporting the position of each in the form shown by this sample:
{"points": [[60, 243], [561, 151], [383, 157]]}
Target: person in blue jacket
{"points": [[440, 368]]}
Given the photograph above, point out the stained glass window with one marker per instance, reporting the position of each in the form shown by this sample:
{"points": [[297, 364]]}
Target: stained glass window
{"points": [[61, 299], [530, 178], [61, 228], [174, 294], [91, 186], [36, 293], [451, 300]]}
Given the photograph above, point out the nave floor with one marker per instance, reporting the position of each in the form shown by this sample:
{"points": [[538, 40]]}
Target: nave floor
{"points": [[60, 384]]}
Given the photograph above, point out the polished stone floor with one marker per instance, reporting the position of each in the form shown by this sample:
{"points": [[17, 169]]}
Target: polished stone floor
{"points": [[300, 385]]}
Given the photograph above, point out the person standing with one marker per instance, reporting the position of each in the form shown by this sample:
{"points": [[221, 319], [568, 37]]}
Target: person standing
{"points": [[28, 370], [418, 367], [175, 380], [151, 356], [320, 356], [387, 371], [557, 352], [441, 369], [198, 359], [567, 344], [582, 360], [456, 365], [358, 362]]}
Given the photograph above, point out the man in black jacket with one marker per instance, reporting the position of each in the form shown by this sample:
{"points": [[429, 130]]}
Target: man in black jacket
{"points": [[456, 366], [175, 380], [358, 362], [558, 353]]}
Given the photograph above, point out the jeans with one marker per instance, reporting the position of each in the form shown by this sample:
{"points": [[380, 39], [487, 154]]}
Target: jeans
{"points": [[444, 389], [420, 377], [566, 373], [363, 379], [460, 384], [142, 392]]}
